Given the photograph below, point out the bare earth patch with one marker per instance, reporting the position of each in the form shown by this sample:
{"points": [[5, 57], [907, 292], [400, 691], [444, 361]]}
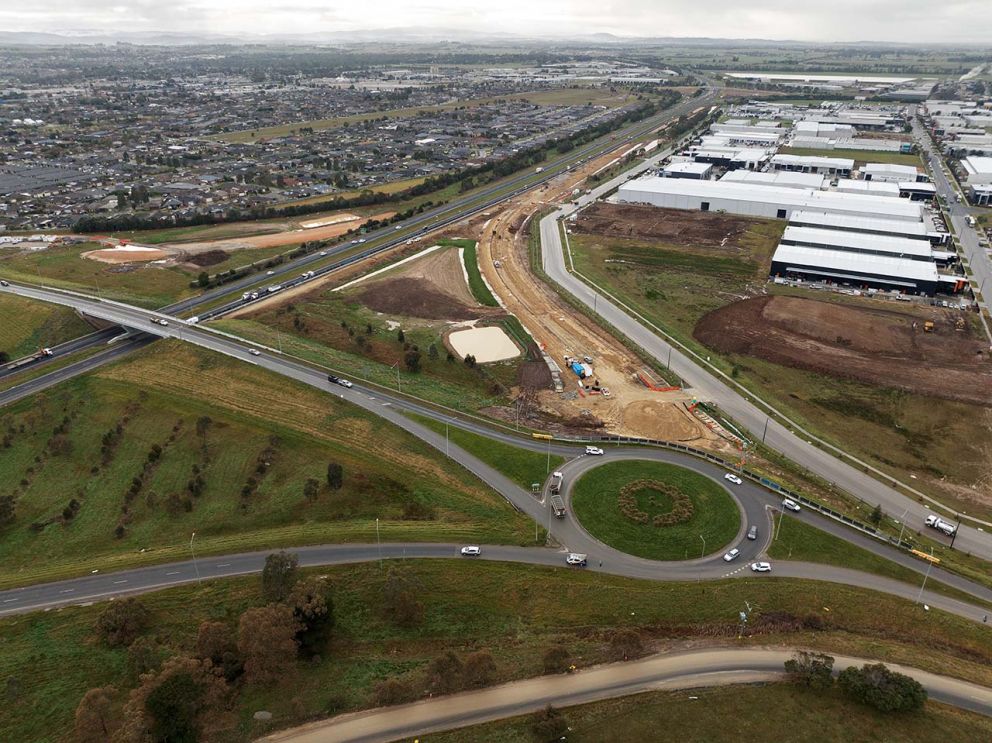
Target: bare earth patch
{"points": [[126, 254], [485, 344], [414, 297]]}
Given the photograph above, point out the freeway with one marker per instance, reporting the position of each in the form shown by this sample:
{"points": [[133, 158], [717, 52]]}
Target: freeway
{"points": [[290, 274], [64, 349], [669, 671], [735, 401], [752, 499]]}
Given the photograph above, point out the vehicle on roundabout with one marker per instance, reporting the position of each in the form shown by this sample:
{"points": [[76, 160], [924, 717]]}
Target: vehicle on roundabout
{"points": [[594, 451], [732, 555], [731, 477], [574, 558], [791, 505], [761, 567]]}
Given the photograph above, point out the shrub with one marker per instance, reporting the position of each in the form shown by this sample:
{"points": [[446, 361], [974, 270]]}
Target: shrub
{"points": [[391, 691], [814, 670], [121, 622], [548, 724], [556, 659], [885, 690]]}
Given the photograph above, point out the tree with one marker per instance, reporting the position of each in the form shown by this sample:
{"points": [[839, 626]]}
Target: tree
{"points": [[121, 622], [432, 352], [879, 687], [4, 357], [470, 361], [215, 642], [626, 644], [412, 361], [479, 668], [311, 489], [143, 657], [814, 670], [876, 515], [203, 280], [173, 705], [556, 659], [313, 610], [95, 721], [400, 336], [335, 476], [391, 691], [445, 673], [548, 724], [267, 642], [400, 600], [279, 575], [8, 509]]}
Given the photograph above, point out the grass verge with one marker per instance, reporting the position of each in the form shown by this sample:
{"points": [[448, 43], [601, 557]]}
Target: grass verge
{"points": [[479, 289]]}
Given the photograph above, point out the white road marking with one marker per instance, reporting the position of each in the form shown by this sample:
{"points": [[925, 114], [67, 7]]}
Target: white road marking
{"points": [[224, 565], [118, 582], [68, 590], [174, 572], [7, 601]]}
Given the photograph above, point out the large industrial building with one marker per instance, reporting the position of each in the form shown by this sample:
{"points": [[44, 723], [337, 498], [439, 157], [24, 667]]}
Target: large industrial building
{"points": [[782, 178], [761, 201], [860, 270], [868, 225], [841, 166]]}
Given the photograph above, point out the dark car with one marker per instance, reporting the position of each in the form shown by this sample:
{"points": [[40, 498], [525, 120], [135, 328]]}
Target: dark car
{"points": [[332, 379]]}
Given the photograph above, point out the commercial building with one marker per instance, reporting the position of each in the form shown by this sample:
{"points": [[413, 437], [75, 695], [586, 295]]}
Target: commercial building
{"points": [[813, 164], [691, 169], [857, 242], [891, 173], [917, 191], [980, 194], [877, 188], [868, 225], [761, 201], [978, 170], [858, 270], [783, 179]]}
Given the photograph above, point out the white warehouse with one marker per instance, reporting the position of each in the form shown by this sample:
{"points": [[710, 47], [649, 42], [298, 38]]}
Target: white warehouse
{"points": [[761, 201]]}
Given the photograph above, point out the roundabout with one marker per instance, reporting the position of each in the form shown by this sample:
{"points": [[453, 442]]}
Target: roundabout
{"points": [[655, 510]]}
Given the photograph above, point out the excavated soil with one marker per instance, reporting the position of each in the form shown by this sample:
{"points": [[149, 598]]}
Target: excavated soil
{"points": [[210, 258], [881, 347], [414, 297], [673, 226]]}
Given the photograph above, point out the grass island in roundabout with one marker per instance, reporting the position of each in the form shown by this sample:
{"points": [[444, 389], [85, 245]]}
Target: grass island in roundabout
{"points": [[655, 510]]}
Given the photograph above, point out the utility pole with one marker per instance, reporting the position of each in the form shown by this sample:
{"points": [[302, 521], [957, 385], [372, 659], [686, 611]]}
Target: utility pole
{"points": [[446, 439], [781, 516], [956, 530], [378, 543], [765, 431], [703, 554], [903, 526], [548, 471], [197, 569], [929, 565]]}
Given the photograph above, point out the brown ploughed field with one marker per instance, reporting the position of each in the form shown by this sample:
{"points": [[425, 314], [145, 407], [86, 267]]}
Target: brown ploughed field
{"points": [[882, 347]]}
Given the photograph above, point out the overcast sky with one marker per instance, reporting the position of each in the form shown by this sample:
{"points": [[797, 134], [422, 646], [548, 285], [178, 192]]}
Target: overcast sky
{"points": [[813, 20]]}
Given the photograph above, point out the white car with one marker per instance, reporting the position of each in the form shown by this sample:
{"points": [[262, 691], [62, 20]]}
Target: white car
{"points": [[594, 450], [791, 505], [254, 352], [731, 477], [574, 558], [732, 555], [471, 551], [761, 567], [345, 383], [322, 252]]}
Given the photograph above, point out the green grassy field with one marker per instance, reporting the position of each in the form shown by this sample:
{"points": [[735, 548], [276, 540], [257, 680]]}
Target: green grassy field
{"points": [[265, 437], [515, 611], [522, 466], [763, 712], [479, 289], [859, 156], [26, 325], [716, 518], [141, 284]]}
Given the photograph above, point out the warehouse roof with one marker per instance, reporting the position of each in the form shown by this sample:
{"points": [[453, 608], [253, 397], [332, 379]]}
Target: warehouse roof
{"points": [[814, 161], [785, 178], [907, 170], [977, 165], [816, 237], [790, 198], [863, 224], [855, 263], [879, 188], [689, 167]]}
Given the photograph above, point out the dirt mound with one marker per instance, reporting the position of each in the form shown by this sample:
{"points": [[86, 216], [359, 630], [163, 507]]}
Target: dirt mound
{"points": [[661, 420], [676, 226], [882, 347], [210, 258], [412, 297]]}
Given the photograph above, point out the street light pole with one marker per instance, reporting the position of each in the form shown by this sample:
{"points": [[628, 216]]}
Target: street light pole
{"points": [[197, 569], [548, 471], [929, 565], [903, 527], [378, 543], [704, 546], [446, 439]]}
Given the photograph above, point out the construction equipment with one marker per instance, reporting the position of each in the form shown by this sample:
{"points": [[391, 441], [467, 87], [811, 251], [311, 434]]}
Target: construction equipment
{"points": [[928, 326], [959, 324]]}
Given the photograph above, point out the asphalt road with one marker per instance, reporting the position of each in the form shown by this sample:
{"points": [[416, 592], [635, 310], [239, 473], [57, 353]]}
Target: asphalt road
{"points": [[670, 671], [566, 532], [64, 349], [734, 401]]}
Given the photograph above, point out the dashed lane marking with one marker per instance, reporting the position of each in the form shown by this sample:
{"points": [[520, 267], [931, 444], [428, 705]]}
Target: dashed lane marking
{"points": [[118, 582]]}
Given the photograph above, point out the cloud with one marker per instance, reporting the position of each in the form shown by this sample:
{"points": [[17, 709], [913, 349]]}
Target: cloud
{"points": [[912, 21]]}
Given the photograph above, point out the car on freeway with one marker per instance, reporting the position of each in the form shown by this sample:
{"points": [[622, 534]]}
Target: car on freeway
{"points": [[254, 352], [345, 383], [575, 558], [471, 551], [594, 450], [322, 252], [731, 477], [270, 273], [752, 533], [791, 505], [333, 380], [4, 283], [761, 567], [732, 555]]}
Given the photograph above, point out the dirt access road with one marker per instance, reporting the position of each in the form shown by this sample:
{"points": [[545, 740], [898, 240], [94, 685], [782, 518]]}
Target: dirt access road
{"points": [[631, 409]]}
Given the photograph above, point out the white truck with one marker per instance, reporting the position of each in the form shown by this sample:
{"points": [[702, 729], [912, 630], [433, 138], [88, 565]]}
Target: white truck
{"points": [[556, 480], [558, 506], [935, 522]]}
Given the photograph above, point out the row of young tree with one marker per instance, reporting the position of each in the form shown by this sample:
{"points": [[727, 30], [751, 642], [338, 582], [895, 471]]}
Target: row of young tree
{"points": [[873, 684]]}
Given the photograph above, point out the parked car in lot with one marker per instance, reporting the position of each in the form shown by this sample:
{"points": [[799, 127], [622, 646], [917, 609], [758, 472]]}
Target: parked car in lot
{"points": [[752, 533], [761, 567], [471, 551], [594, 450], [731, 477], [574, 558], [732, 555], [791, 505]]}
